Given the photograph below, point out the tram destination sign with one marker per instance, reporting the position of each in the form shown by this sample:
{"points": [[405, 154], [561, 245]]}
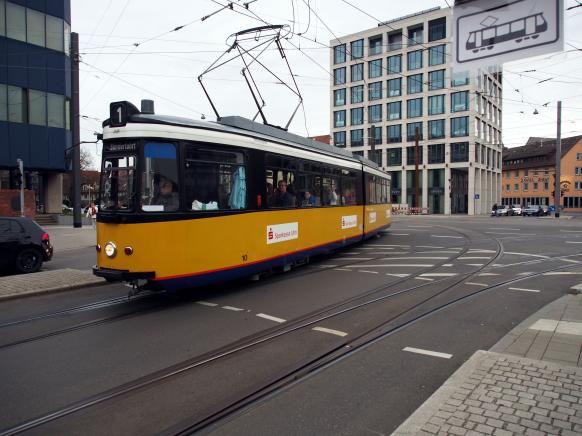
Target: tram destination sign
{"points": [[489, 32], [126, 146]]}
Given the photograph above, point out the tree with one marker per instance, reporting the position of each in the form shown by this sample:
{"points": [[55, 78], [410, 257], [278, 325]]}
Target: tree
{"points": [[86, 160]]}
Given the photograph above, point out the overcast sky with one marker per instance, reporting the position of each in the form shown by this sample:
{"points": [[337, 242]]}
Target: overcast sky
{"points": [[165, 64]]}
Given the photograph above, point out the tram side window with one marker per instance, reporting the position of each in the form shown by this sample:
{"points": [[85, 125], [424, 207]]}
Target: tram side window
{"points": [[331, 186], [117, 183], [309, 184], [371, 189], [160, 189], [348, 188], [214, 179], [280, 181]]}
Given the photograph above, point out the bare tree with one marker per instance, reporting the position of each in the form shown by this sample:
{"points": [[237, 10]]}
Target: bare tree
{"points": [[86, 160]]}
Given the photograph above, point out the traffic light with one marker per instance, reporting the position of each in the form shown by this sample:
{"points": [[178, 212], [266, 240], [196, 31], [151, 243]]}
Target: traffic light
{"points": [[18, 178]]}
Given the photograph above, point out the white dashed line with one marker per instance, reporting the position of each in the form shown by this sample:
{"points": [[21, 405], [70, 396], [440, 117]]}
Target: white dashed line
{"points": [[270, 318], [571, 231], [524, 290], [489, 274], [352, 253], [476, 284], [390, 245], [503, 228], [527, 254], [355, 258], [206, 303], [366, 271], [472, 257], [343, 269], [330, 331], [426, 279], [427, 352], [447, 264], [428, 246], [509, 234], [438, 274], [397, 275], [477, 250], [419, 257], [445, 236], [399, 234], [403, 265], [474, 264], [561, 273], [327, 266], [526, 273], [234, 309], [570, 260], [420, 227], [573, 242]]}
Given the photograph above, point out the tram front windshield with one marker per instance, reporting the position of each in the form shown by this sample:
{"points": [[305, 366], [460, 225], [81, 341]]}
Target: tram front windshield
{"points": [[117, 183], [159, 182]]}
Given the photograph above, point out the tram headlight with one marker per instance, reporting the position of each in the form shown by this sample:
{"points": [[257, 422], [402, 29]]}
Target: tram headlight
{"points": [[110, 249]]}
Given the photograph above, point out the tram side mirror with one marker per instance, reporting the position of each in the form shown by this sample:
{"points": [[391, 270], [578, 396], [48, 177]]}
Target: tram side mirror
{"points": [[120, 112]]}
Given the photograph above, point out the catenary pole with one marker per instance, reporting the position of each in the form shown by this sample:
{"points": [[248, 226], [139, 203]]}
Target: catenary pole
{"points": [[557, 193], [416, 159], [76, 131]]}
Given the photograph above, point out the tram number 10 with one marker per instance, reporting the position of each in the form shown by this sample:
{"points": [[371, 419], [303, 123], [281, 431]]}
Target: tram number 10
{"points": [[245, 257]]}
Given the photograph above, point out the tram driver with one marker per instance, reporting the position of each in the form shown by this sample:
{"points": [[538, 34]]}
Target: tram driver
{"points": [[166, 194]]}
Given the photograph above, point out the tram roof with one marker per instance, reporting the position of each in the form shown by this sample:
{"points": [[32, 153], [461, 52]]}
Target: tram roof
{"points": [[243, 126]]}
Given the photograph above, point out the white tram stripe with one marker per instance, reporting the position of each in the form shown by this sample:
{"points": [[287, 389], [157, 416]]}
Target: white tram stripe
{"points": [[206, 303], [270, 318], [234, 309], [427, 352], [524, 289], [330, 331]]}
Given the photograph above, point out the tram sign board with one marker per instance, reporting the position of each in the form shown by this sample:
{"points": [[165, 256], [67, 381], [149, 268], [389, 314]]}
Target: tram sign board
{"points": [[490, 32]]}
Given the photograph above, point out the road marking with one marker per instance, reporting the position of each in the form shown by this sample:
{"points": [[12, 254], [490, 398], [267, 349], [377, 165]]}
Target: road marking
{"points": [[397, 275], [447, 264], [387, 252], [327, 266], [390, 245], [366, 271], [419, 257], [374, 248], [404, 265], [571, 231], [551, 325], [420, 227], [355, 258], [330, 331], [426, 279], [270, 318], [509, 234], [489, 274], [206, 303], [561, 273], [352, 253], [570, 260], [446, 236], [526, 273], [478, 250], [529, 262], [343, 269], [399, 234], [438, 274], [428, 246], [573, 242], [524, 289], [474, 264], [427, 352], [473, 257], [502, 228], [234, 309], [527, 254], [437, 251], [476, 284]]}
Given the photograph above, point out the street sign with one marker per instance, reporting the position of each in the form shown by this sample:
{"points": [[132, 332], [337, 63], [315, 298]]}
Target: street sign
{"points": [[476, 196], [552, 208], [490, 32]]}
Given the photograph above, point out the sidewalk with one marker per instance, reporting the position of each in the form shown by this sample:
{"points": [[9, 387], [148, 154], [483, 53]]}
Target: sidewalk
{"points": [[68, 237], [529, 383]]}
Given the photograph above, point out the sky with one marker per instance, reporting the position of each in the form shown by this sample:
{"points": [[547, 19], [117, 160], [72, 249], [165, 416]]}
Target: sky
{"points": [[131, 50]]}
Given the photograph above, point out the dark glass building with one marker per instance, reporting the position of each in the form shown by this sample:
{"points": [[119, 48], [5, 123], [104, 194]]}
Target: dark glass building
{"points": [[35, 92]]}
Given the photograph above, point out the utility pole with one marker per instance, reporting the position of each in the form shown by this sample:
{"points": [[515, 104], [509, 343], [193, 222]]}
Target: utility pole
{"points": [[416, 159], [20, 181], [76, 131], [557, 192]]}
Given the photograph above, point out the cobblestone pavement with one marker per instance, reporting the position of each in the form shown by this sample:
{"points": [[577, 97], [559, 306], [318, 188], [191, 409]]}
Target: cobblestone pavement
{"points": [[16, 286], [504, 393]]}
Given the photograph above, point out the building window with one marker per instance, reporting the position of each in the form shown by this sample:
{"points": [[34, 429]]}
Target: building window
{"points": [[339, 97], [375, 45], [436, 80], [437, 29], [15, 22], [3, 102], [414, 108], [578, 156], [436, 104], [415, 35], [526, 186], [546, 186], [375, 68], [56, 110], [436, 55], [394, 110], [535, 186], [55, 37], [375, 135], [339, 54], [357, 138], [339, 119], [2, 25], [35, 27], [460, 152], [507, 187], [516, 187], [357, 72], [394, 133], [375, 91], [357, 116], [516, 173], [526, 172], [357, 94], [414, 60], [577, 186], [394, 87], [357, 49], [37, 107], [436, 129], [459, 126], [579, 171], [460, 101], [339, 76], [16, 105], [411, 155], [395, 64], [394, 156], [411, 129], [460, 79], [339, 139], [436, 153], [394, 41], [375, 113], [414, 83]]}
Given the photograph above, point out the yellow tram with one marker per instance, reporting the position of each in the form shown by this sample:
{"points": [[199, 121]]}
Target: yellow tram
{"points": [[185, 203]]}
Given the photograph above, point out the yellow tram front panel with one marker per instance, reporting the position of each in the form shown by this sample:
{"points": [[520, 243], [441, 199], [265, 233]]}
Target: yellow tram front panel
{"points": [[206, 245]]}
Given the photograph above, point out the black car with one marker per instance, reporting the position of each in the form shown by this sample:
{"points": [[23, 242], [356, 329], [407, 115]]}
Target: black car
{"points": [[24, 245], [534, 210]]}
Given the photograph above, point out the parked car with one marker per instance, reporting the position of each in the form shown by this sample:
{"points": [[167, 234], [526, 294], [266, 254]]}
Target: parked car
{"points": [[516, 209], [534, 210], [24, 245], [502, 210]]}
